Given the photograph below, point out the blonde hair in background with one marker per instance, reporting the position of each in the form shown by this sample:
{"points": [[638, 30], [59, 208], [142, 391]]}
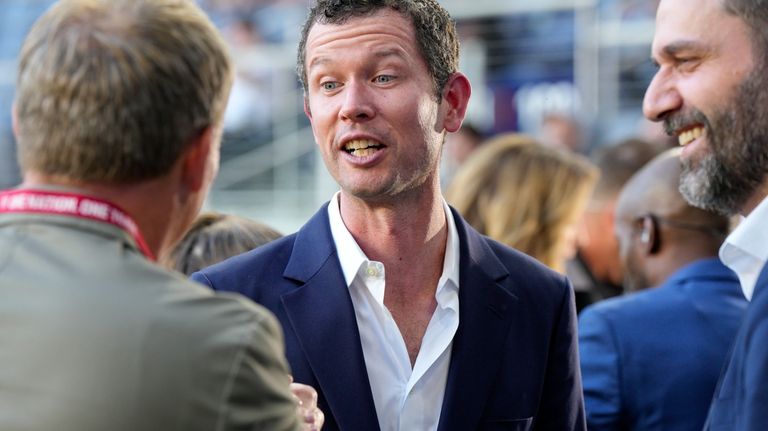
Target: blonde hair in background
{"points": [[524, 194], [114, 90], [214, 237]]}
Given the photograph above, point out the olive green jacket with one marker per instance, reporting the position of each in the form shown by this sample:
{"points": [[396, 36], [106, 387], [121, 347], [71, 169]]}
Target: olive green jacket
{"points": [[94, 337]]}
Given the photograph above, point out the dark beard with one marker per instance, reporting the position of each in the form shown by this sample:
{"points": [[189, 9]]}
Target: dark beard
{"points": [[723, 179]]}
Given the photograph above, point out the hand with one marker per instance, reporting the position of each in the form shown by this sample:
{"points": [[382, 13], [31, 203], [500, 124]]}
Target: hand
{"points": [[306, 398]]}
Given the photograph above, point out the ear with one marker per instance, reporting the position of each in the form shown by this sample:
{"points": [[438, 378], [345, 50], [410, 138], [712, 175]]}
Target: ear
{"points": [[649, 236], [455, 99], [195, 160], [307, 111]]}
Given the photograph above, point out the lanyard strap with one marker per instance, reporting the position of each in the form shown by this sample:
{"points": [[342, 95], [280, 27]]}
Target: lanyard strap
{"points": [[73, 205]]}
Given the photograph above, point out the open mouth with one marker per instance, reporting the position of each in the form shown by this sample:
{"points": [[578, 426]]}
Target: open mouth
{"points": [[362, 147], [690, 135]]}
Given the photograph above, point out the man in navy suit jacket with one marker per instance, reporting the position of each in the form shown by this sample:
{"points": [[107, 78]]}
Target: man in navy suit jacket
{"points": [[401, 315], [710, 91], [650, 360]]}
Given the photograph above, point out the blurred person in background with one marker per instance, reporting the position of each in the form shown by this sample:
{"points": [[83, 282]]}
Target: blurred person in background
{"points": [[650, 360], [562, 130], [710, 91], [457, 149], [214, 237], [118, 119], [595, 271], [525, 195], [401, 314]]}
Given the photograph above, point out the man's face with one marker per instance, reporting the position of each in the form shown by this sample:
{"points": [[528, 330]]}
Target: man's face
{"points": [[372, 106], [710, 93]]}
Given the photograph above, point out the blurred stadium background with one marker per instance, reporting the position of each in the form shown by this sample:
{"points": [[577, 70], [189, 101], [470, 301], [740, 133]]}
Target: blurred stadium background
{"points": [[585, 60]]}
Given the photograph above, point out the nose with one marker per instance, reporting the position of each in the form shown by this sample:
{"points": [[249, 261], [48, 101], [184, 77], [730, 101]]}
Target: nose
{"points": [[661, 97], [358, 103]]}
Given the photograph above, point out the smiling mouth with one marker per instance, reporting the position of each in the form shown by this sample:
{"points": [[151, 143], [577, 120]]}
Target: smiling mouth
{"points": [[690, 135], [362, 147]]}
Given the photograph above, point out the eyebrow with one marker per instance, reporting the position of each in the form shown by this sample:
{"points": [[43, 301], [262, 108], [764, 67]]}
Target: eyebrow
{"points": [[388, 52], [675, 48], [381, 53], [318, 61]]}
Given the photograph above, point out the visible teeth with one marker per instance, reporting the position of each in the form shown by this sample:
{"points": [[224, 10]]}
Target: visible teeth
{"points": [[363, 152], [361, 147], [689, 136], [358, 144]]}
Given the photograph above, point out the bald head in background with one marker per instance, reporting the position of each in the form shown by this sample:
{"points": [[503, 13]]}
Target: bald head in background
{"points": [[596, 272], [650, 359], [658, 231]]}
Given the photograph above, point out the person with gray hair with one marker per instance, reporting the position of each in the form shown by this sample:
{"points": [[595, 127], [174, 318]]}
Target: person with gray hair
{"points": [[118, 120], [650, 359], [710, 93]]}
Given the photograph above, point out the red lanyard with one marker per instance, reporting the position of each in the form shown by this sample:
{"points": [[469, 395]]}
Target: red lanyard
{"points": [[74, 205]]}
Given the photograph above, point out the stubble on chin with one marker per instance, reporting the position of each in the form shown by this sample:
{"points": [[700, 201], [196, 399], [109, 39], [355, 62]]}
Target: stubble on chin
{"points": [[735, 163], [696, 183]]}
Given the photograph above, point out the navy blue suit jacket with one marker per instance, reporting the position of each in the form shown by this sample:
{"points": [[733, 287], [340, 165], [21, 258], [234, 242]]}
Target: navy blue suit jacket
{"points": [[651, 360], [741, 398], [514, 363]]}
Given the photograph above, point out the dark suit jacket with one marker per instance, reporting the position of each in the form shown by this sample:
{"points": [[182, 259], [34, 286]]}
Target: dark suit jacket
{"points": [[650, 360], [741, 398], [514, 363]]}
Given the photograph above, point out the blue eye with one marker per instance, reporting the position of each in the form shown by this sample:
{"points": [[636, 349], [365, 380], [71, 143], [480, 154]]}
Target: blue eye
{"points": [[329, 85], [383, 79]]}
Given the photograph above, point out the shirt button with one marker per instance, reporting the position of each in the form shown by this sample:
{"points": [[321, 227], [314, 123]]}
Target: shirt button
{"points": [[372, 271]]}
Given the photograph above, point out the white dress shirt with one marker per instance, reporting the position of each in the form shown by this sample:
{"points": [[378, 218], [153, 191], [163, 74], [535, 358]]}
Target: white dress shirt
{"points": [[745, 250], [406, 399]]}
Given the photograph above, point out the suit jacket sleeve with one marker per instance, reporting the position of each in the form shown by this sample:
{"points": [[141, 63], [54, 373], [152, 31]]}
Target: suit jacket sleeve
{"points": [[562, 402], [600, 370]]}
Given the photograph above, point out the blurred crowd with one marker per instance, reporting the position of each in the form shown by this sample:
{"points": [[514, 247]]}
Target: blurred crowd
{"points": [[600, 285]]}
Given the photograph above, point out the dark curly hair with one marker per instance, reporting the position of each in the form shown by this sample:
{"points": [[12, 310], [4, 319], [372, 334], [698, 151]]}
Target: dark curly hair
{"points": [[435, 32]]}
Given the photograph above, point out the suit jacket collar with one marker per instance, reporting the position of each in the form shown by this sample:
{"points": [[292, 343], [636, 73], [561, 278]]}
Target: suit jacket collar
{"points": [[762, 282], [485, 312], [711, 268], [323, 318]]}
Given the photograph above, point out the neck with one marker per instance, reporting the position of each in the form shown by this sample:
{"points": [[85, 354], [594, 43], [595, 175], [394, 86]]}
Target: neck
{"points": [[674, 258], [148, 203], [406, 229]]}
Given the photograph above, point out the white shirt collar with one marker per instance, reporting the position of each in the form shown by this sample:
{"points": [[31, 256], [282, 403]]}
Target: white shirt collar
{"points": [[352, 257], [745, 250], [405, 397]]}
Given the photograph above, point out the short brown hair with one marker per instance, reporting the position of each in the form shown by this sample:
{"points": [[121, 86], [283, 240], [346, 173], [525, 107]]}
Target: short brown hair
{"points": [[435, 30], [113, 90]]}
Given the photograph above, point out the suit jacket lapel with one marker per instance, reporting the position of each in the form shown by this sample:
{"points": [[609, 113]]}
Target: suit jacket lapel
{"points": [[484, 321], [762, 281], [323, 318]]}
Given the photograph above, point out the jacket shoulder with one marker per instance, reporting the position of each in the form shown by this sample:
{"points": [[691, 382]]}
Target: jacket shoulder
{"points": [[244, 273]]}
